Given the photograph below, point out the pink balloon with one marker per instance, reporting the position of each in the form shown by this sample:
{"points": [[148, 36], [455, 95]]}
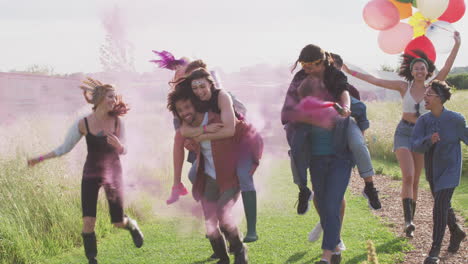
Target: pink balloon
{"points": [[455, 11], [381, 14], [394, 40]]}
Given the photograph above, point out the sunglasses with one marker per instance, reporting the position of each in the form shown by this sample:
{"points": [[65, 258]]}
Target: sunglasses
{"points": [[315, 62], [430, 94], [416, 107]]}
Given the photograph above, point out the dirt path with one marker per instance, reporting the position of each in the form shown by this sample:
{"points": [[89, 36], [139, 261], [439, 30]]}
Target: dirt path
{"points": [[392, 214]]}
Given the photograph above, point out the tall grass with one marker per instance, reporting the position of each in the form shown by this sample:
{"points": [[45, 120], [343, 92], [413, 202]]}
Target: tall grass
{"points": [[40, 207], [40, 212]]}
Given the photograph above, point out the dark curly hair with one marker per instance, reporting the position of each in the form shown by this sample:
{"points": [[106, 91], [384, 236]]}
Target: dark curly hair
{"points": [[176, 95], [442, 89], [406, 66]]}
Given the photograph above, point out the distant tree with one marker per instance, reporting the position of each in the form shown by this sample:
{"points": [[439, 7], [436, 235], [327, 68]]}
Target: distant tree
{"points": [[459, 81], [457, 70], [37, 69], [388, 68], [117, 51]]}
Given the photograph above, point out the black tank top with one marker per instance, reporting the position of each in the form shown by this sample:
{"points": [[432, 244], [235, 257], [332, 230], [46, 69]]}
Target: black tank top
{"points": [[102, 156], [212, 105]]}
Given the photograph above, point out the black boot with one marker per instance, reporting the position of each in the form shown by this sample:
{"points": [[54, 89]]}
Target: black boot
{"points": [[457, 235], [433, 257], [90, 247], [238, 248], [135, 231], [409, 226], [456, 238], [250, 208], [219, 248], [431, 260], [303, 202], [413, 208], [335, 259], [213, 256], [225, 233]]}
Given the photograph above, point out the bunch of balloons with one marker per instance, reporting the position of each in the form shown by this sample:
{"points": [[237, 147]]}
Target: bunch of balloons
{"points": [[407, 25]]}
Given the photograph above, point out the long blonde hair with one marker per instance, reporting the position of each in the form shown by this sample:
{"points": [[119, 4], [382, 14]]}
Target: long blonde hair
{"points": [[94, 92]]}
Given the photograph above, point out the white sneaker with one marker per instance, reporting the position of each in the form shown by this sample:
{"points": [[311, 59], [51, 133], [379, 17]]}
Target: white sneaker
{"points": [[314, 235], [341, 246]]}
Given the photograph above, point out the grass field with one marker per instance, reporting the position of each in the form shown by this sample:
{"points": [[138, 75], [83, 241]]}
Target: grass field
{"points": [[40, 216], [283, 234]]}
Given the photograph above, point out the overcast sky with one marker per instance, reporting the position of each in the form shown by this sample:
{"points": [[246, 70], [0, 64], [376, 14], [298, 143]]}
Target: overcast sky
{"points": [[67, 35]]}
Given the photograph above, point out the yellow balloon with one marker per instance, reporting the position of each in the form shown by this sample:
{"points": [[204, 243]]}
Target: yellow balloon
{"points": [[420, 24]]}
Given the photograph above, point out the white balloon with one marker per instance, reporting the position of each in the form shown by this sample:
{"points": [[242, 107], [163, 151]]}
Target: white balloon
{"points": [[432, 8], [441, 35]]}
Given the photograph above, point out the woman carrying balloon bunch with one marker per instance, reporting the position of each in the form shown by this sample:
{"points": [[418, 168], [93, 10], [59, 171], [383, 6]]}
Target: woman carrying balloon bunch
{"points": [[416, 68]]}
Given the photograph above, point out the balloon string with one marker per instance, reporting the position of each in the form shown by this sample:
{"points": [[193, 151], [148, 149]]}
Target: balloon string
{"points": [[442, 28]]}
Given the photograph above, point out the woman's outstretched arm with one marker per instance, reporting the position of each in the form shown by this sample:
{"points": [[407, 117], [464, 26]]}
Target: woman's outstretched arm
{"points": [[396, 85], [74, 134]]}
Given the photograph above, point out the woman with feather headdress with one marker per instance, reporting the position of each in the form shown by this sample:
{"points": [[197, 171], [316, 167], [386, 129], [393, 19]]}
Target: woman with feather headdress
{"points": [[168, 61], [105, 138]]}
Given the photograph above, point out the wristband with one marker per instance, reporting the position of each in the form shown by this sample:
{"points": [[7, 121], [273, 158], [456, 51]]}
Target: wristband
{"points": [[204, 129], [41, 158], [354, 73]]}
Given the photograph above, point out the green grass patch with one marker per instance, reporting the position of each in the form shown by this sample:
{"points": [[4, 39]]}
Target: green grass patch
{"points": [[385, 167], [40, 217], [283, 234]]}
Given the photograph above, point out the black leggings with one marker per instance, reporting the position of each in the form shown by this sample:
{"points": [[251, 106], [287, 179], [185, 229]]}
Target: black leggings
{"points": [[89, 196]]}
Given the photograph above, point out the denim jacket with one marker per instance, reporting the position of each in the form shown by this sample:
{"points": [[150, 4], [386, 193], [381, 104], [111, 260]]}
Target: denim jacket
{"points": [[447, 156], [299, 141]]}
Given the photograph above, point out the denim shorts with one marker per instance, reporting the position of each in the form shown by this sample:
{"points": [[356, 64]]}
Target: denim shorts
{"points": [[402, 138]]}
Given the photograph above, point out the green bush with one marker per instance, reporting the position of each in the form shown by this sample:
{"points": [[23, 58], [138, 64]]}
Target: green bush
{"points": [[459, 81]]}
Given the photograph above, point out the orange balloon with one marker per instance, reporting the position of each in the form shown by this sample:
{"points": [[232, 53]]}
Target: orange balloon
{"points": [[404, 9]]}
